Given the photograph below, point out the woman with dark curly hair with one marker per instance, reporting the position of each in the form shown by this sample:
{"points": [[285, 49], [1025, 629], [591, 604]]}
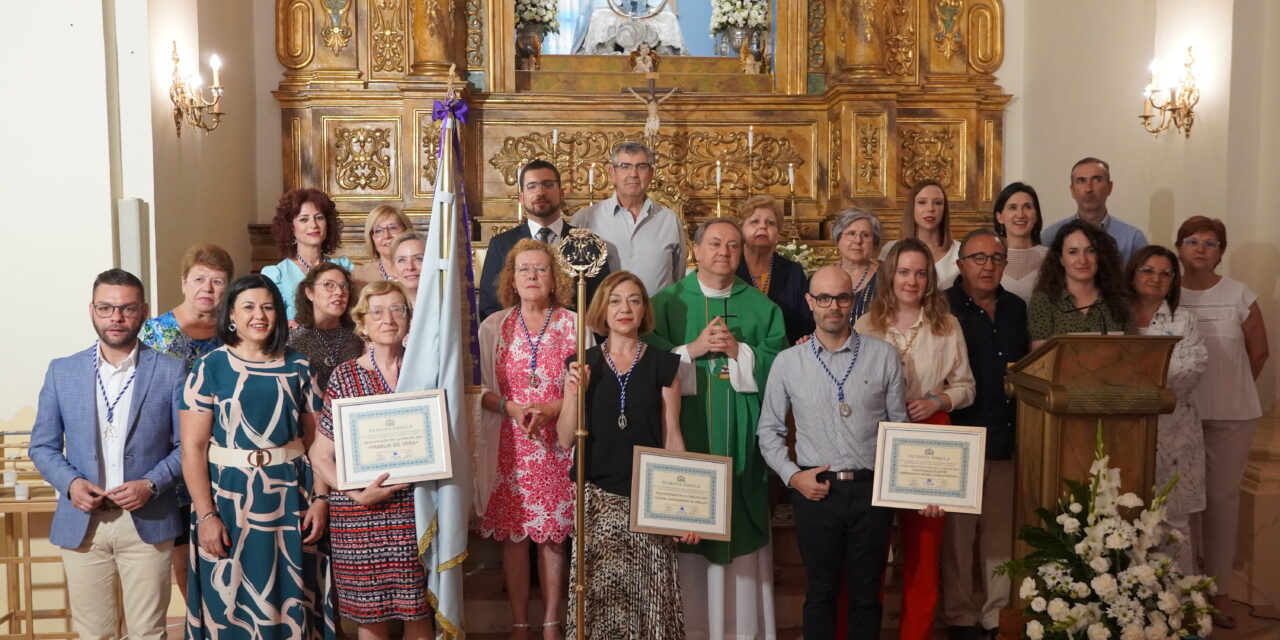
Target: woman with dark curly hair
{"points": [[1080, 288], [307, 231], [325, 333]]}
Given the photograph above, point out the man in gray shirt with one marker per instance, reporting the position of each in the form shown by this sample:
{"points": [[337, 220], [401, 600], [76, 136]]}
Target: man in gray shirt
{"points": [[840, 386], [643, 236]]}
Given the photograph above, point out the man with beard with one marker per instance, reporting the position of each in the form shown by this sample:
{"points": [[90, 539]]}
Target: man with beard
{"points": [[644, 237], [541, 198], [106, 437], [1090, 187], [726, 333], [840, 386]]}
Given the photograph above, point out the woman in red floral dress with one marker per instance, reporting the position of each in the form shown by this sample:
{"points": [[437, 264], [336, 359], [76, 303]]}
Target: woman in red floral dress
{"points": [[524, 472]]}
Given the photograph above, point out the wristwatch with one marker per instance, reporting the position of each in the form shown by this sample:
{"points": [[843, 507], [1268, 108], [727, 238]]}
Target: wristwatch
{"points": [[155, 491]]}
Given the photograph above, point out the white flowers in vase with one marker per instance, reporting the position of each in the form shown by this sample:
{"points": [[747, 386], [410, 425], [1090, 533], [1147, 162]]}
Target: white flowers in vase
{"points": [[538, 13], [1093, 574], [800, 254], [751, 14]]}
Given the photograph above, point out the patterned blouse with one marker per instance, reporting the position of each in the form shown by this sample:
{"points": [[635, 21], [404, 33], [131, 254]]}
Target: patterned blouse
{"points": [[164, 334], [1048, 318]]}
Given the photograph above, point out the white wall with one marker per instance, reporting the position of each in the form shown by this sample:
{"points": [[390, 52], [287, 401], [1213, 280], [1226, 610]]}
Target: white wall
{"points": [[1077, 72], [56, 178]]}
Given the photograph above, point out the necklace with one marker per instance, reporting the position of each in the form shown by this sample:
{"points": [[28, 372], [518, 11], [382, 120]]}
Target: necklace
{"points": [[534, 379], [330, 348], [845, 409], [306, 266], [762, 281], [623, 379], [866, 271], [384, 271], [378, 372], [903, 351], [110, 432]]}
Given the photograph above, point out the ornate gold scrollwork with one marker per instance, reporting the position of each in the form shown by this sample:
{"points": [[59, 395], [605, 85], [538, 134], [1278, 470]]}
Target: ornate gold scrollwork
{"points": [[430, 151], [833, 163], [687, 160], [361, 161], [866, 18], [435, 17], [475, 35], [986, 36], [817, 25], [336, 33], [387, 35], [948, 35], [868, 156], [928, 154], [899, 39]]}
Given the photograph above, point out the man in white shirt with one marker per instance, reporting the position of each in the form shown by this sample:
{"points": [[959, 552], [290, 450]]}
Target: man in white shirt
{"points": [[106, 437], [542, 198], [643, 236]]}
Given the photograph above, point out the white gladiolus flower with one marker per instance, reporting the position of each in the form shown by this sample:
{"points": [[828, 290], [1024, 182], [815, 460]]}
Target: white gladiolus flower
{"points": [[1035, 630], [1027, 590], [1038, 604], [1099, 631], [1100, 564]]}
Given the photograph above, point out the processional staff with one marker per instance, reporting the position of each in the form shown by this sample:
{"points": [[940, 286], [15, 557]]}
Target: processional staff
{"points": [[582, 253]]}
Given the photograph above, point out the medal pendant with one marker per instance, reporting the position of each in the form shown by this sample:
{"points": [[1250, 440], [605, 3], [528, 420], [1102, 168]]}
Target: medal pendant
{"points": [[723, 374], [328, 361], [845, 410], [622, 421], [110, 432], [534, 380]]}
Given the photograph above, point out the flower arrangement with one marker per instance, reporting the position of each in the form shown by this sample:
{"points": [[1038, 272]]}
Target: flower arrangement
{"points": [[801, 254], [1094, 575], [752, 14], [538, 13]]}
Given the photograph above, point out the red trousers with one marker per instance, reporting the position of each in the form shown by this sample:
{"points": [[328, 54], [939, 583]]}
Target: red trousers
{"points": [[921, 562]]}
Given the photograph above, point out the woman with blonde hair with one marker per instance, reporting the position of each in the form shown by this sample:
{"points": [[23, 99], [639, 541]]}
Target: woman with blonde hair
{"points": [[381, 228], [523, 490], [910, 312], [760, 218], [374, 546], [927, 218]]}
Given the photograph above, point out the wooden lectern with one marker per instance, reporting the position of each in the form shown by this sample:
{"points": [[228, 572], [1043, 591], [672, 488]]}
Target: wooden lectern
{"points": [[1063, 389]]}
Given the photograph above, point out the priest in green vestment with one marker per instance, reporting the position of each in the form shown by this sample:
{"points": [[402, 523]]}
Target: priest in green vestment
{"points": [[727, 334]]}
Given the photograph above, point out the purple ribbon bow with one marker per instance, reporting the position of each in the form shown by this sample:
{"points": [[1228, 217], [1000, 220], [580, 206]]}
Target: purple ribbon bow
{"points": [[441, 110]]}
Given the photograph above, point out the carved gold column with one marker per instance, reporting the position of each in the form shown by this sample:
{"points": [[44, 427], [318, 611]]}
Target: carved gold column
{"points": [[433, 37]]}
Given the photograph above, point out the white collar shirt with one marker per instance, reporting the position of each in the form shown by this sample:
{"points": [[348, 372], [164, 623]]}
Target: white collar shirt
{"points": [[111, 435], [557, 230], [650, 245]]}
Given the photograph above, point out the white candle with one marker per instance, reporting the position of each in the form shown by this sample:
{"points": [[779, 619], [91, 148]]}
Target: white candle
{"points": [[216, 64], [717, 173], [591, 174], [751, 136], [791, 173], [22, 491], [555, 137]]}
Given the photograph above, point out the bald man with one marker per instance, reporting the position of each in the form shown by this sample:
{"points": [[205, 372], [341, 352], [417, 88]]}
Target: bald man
{"points": [[840, 386]]}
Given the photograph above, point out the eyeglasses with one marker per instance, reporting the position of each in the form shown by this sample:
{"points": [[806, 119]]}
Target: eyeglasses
{"points": [[387, 230], [104, 310], [1164, 274], [627, 166], [1209, 245], [540, 269], [824, 300], [545, 184], [999, 259], [397, 311], [332, 286]]}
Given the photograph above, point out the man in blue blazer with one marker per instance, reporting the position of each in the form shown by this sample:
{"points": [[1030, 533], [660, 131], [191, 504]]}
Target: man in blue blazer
{"points": [[106, 437], [541, 197]]}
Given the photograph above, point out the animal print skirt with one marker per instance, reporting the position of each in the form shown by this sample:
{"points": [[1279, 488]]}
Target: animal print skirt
{"points": [[633, 583]]}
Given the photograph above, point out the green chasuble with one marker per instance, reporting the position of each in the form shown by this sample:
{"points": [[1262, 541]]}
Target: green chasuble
{"points": [[720, 420]]}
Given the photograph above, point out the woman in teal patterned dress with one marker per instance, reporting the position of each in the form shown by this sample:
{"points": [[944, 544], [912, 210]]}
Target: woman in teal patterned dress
{"points": [[257, 511]]}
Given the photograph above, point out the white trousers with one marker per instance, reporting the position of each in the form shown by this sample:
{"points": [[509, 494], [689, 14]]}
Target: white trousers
{"points": [[733, 601]]}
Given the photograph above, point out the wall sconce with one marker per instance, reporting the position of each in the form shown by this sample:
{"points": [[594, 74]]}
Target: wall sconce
{"points": [[187, 95], [1175, 104]]}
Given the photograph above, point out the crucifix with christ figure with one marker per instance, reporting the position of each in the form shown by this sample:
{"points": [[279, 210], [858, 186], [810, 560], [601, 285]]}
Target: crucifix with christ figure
{"points": [[651, 100]]}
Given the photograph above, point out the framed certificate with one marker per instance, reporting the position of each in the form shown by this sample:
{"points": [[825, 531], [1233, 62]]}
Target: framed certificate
{"points": [[675, 492], [921, 464], [403, 434]]}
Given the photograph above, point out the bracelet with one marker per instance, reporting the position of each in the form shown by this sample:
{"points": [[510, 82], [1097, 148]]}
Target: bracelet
{"points": [[502, 405], [937, 400], [322, 496], [201, 519]]}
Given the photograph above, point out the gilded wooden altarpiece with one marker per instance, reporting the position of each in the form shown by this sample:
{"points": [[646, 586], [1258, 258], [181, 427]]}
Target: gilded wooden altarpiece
{"points": [[863, 97]]}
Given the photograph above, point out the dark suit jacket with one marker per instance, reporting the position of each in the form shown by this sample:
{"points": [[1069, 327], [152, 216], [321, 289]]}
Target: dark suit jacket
{"points": [[787, 286], [499, 246], [64, 441]]}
